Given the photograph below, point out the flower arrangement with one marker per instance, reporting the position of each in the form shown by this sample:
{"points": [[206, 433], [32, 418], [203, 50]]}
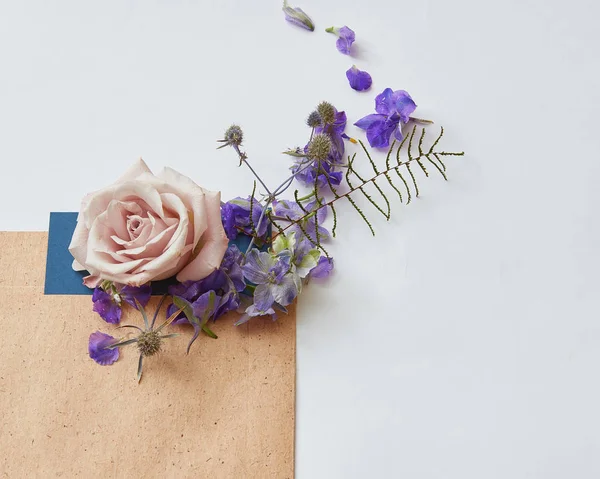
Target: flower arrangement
{"points": [[252, 254]]}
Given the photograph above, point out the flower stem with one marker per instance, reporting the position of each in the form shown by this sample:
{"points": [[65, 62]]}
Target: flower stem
{"points": [[244, 159]]}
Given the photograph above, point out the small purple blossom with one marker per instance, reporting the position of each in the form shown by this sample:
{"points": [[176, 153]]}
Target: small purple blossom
{"points": [[106, 306], [97, 348], [108, 299], [132, 293], [346, 38], [393, 112], [359, 80], [274, 278], [226, 282], [290, 209], [323, 269], [235, 215], [297, 17]]}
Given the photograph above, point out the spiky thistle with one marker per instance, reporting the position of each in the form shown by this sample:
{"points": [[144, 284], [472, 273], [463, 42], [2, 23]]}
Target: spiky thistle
{"points": [[149, 341]]}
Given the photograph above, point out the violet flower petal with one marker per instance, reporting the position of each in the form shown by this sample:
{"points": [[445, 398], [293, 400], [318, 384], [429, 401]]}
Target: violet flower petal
{"points": [[359, 80], [263, 297], [323, 269], [379, 134], [404, 105], [345, 40], [104, 305], [96, 348], [141, 293], [384, 102], [368, 121]]}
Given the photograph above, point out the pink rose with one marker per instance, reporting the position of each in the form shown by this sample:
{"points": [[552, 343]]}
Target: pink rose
{"points": [[146, 228]]}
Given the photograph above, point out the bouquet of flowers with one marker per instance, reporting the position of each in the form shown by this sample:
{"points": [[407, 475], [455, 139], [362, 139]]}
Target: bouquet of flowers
{"points": [[255, 253]]}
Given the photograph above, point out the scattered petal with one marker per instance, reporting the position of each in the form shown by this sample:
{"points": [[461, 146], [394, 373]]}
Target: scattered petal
{"points": [[359, 80], [97, 348], [346, 38]]}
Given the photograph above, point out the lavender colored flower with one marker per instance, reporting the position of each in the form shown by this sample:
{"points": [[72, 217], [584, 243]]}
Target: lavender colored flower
{"points": [[109, 297], [97, 348], [289, 209], [106, 306], [323, 269], [130, 294], [235, 215], [346, 38], [275, 280], [297, 17], [303, 255], [226, 282], [393, 112], [359, 80]]}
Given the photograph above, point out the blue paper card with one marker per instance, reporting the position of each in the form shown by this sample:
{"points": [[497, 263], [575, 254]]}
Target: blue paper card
{"points": [[60, 277]]}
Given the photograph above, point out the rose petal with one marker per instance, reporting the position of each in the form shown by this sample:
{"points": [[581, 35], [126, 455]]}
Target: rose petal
{"points": [[214, 243]]}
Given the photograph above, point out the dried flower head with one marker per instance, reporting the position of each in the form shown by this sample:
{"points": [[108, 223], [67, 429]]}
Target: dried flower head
{"points": [[149, 343], [319, 147], [326, 112], [314, 119], [234, 135]]}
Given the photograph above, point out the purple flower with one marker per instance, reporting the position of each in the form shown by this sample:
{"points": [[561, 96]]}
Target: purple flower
{"points": [[132, 293], [226, 282], [393, 112], [345, 39], [297, 17], [97, 348], [109, 297], [106, 306], [274, 278], [359, 80], [323, 269], [235, 215], [289, 209]]}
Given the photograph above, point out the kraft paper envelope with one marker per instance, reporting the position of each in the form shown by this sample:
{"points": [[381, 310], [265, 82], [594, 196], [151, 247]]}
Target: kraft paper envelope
{"points": [[224, 411]]}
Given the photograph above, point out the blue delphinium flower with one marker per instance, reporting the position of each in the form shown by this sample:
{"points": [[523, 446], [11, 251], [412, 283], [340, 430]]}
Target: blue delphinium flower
{"points": [[303, 255], [359, 80], [393, 112], [275, 279], [297, 17], [289, 210], [109, 297], [98, 351], [323, 269], [226, 282], [346, 38], [235, 215]]}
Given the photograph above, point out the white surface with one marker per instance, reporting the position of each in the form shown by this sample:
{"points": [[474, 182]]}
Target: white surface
{"points": [[463, 340]]}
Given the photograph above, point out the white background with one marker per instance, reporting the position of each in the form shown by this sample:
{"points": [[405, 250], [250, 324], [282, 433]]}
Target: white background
{"points": [[463, 341]]}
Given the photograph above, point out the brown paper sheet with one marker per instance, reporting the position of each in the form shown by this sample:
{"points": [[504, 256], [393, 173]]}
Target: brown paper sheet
{"points": [[224, 411]]}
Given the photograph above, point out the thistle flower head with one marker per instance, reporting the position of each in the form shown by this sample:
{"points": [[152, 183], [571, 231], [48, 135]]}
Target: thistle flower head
{"points": [[319, 147], [149, 343], [234, 135], [326, 112], [314, 119]]}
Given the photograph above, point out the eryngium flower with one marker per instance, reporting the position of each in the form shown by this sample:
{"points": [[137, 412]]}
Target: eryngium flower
{"points": [[319, 147]]}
